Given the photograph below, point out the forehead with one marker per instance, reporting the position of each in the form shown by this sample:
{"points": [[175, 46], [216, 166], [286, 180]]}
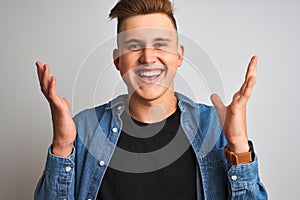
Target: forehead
{"points": [[147, 27], [156, 20], [148, 35]]}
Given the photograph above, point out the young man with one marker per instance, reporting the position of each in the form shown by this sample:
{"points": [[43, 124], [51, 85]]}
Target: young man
{"points": [[151, 143]]}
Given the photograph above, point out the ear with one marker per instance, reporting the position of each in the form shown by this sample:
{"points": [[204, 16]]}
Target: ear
{"points": [[180, 54], [116, 58]]}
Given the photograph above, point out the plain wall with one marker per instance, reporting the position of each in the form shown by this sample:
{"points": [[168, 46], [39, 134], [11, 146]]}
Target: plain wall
{"points": [[64, 33]]}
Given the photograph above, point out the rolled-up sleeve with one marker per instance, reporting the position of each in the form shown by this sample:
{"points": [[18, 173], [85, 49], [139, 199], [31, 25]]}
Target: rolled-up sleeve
{"points": [[57, 181], [245, 182]]}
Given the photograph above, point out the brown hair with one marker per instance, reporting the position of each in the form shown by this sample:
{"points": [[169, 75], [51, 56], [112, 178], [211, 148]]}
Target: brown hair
{"points": [[128, 8]]}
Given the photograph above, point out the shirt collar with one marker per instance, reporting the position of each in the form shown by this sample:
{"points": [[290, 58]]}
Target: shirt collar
{"points": [[120, 101], [184, 99]]}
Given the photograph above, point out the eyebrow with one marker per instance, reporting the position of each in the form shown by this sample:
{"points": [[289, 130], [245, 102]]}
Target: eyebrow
{"points": [[162, 39], [132, 41], [140, 41]]}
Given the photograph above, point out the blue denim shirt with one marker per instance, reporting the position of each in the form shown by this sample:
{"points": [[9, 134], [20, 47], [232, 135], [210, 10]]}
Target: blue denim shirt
{"points": [[80, 175]]}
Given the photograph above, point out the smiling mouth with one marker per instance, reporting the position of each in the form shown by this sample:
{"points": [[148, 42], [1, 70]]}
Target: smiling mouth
{"points": [[150, 74], [146, 73]]}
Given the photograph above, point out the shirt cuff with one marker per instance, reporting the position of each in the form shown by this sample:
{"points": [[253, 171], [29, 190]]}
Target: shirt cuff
{"points": [[56, 165], [244, 175]]}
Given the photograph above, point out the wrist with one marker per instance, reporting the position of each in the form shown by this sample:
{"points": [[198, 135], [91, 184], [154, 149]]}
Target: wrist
{"points": [[61, 150], [238, 144], [239, 148]]}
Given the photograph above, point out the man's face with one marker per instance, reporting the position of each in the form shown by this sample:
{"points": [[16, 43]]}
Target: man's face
{"points": [[148, 55]]}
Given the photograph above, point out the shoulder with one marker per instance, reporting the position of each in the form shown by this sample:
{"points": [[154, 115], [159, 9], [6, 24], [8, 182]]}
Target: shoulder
{"points": [[204, 118], [101, 110], [89, 113], [185, 103], [207, 112]]}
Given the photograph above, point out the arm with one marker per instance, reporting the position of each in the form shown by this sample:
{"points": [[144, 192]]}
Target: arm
{"points": [[233, 116], [57, 179], [243, 178]]}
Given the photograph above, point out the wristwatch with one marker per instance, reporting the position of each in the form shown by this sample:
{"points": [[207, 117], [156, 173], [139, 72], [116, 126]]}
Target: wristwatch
{"points": [[239, 158]]}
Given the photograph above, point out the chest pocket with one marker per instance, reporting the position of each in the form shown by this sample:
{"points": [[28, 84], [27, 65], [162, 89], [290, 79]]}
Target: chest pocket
{"points": [[214, 175]]}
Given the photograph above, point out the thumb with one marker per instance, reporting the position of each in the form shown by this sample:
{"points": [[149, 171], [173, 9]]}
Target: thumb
{"points": [[217, 101], [220, 107]]}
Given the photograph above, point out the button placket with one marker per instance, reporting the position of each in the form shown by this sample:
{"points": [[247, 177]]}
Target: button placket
{"points": [[234, 177], [114, 130], [68, 169], [101, 163]]}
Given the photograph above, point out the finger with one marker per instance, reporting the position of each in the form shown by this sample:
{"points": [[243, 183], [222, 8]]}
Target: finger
{"points": [[40, 70], [52, 90], [243, 87], [67, 102], [217, 101], [219, 105], [236, 96], [244, 97], [45, 80], [251, 70]]}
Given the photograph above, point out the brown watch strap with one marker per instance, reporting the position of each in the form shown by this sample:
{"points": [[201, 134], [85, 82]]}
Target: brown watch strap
{"points": [[238, 158]]}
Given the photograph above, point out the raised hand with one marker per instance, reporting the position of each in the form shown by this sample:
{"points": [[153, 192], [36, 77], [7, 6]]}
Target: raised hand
{"points": [[233, 116], [64, 130]]}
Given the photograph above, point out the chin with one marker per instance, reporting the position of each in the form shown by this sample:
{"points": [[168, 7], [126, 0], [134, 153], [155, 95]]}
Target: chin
{"points": [[151, 93]]}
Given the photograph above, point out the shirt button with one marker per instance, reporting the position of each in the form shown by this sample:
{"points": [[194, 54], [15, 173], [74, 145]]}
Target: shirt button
{"points": [[120, 107], [68, 168], [234, 177], [114, 130], [101, 163]]}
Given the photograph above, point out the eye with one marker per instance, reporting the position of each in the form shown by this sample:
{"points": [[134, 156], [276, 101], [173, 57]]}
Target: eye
{"points": [[160, 45], [135, 47]]}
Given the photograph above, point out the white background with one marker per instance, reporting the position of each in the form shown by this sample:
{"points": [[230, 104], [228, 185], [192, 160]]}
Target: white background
{"points": [[62, 33]]}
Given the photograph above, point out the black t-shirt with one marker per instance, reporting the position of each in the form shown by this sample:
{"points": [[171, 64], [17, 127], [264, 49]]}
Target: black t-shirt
{"points": [[163, 166]]}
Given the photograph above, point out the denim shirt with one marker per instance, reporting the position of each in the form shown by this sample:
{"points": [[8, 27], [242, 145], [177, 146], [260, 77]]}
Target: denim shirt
{"points": [[80, 175]]}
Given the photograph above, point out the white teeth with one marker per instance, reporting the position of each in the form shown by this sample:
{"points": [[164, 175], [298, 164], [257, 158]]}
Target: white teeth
{"points": [[150, 73]]}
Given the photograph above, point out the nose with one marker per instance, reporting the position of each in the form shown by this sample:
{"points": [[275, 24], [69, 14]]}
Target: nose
{"points": [[148, 56]]}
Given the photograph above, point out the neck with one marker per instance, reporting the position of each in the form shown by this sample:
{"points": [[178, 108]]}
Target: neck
{"points": [[151, 111]]}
